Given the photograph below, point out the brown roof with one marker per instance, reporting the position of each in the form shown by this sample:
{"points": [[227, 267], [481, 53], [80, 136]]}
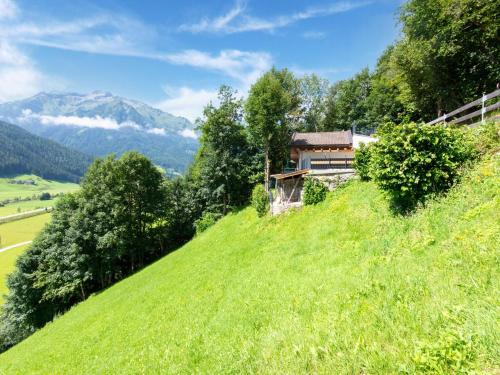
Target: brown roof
{"points": [[282, 176], [339, 138]]}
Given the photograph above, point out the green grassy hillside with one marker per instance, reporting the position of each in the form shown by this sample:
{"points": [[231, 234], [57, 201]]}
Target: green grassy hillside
{"points": [[342, 287]]}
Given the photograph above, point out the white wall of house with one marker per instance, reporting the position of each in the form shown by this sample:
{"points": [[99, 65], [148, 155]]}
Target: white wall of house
{"points": [[306, 156], [357, 139]]}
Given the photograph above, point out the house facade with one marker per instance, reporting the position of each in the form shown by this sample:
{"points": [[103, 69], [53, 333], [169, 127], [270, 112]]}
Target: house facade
{"points": [[327, 156], [325, 150]]}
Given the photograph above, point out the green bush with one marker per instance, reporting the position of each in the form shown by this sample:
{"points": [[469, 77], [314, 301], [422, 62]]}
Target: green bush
{"points": [[260, 200], [45, 196], [487, 138], [314, 191], [362, 162], [414, 161], [206, 221]]}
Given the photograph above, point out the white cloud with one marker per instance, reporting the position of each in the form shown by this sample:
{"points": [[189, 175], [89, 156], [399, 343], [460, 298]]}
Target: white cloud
{"points": [[236, 21], [244, 66], [157, 131], [18, 82], [188, 133], [8, 9], [18, 75], [123, 36], [92, 122], [217, 24], [186, 102], [95, 122], [102, 33], [83, 122]]}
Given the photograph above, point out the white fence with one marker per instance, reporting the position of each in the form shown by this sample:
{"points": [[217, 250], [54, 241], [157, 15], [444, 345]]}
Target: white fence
{"points": [[449, 117]]}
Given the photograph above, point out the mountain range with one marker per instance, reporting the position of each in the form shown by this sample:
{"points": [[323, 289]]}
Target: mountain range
{"points": [[101, 123]]}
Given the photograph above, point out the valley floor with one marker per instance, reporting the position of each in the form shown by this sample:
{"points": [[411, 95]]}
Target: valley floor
{"points": [[343, 287]]}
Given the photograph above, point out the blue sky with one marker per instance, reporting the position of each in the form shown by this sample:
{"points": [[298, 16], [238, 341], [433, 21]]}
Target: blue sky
{"points": [[175, 54]]}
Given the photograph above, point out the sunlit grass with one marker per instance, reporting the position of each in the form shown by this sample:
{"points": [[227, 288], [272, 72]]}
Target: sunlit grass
{"points": [[21, 230], [7, 264], [19, 207], [10, 191], [343, 287]]}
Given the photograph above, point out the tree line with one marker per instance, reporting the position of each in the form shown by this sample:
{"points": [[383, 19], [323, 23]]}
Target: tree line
{"points": [[127, 214]]}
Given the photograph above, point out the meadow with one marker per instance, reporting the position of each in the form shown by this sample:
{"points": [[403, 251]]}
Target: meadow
{"points": [[26, 229], [7, 265], [10, 191], [342, 287], [13, 233], [21, 230], [19, 207]]}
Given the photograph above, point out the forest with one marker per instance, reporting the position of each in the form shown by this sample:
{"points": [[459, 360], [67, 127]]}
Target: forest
{"points": [[25, 153]]}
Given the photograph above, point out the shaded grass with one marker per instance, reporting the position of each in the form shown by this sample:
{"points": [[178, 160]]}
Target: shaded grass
{"points": [[10, 191], [21, 230], [343, 287], [7, 265]]}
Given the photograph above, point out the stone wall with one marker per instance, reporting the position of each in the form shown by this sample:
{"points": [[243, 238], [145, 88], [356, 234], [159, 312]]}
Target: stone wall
{"points": [[332, 181]]}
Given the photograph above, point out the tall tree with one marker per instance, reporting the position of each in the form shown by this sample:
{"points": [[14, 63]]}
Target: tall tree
{"points": [[385, 103], [314, 91], [224, 153], [346, 104], [269, 112], [449, 52]]}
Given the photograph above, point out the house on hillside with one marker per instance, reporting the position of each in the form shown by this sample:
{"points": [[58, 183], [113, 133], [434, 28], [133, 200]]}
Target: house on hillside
{"points": [[327, 156]]}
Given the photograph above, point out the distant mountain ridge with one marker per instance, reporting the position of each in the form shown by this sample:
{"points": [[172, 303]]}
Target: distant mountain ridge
{"points": [[24, 153], [101, 123]]}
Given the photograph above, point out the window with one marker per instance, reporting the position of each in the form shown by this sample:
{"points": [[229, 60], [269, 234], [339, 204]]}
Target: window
{"points": [[332, 163]]}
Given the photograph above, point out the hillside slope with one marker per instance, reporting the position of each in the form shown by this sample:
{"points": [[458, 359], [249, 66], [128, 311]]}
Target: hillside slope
{"points": [[24, 153], [343, 287]]}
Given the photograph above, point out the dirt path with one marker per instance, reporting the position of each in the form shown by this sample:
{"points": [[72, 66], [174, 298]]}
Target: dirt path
{"points": [[14, 246]]}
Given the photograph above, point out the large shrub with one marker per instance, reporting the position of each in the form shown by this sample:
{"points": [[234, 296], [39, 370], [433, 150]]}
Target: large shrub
{"points": [[413, 161], [206, 221], [314, 191], [260, 200], [362, 161]]}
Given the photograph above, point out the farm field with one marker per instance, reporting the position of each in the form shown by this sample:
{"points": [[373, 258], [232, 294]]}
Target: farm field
{"points": [[13, 233], [343, 287], [7, 264], [9, 191], [19, 207], [21, 230]]}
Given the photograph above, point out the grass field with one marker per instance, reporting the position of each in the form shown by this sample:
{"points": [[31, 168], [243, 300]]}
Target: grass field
{"points": [[11, 234], [343, 287], [7, 264], [18, 207], [21, 230], [8, 191]]}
